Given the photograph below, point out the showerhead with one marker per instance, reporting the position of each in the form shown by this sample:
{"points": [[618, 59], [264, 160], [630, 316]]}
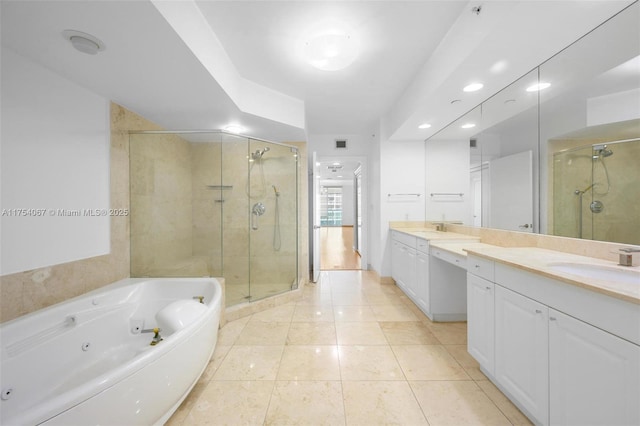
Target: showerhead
{"points": [[259, 153], [602, 152]]}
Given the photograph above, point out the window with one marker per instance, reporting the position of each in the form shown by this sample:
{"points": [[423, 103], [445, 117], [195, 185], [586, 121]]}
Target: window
{"points": [[331, 206]]}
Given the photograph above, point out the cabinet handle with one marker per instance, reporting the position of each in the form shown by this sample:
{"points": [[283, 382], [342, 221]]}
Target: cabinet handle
{"points": [[477, 266], [538, 311], [552, 318], [457, 260], [488, 288]]}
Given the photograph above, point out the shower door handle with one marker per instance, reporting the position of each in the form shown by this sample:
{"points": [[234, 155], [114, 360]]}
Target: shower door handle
{"points": [[525, 226]]}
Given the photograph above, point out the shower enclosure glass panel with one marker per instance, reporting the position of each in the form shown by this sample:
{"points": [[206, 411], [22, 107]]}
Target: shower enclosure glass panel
{"points": [[215, 204], [594, 194]]}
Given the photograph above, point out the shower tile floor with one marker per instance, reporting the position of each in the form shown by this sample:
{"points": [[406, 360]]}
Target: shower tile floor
{"points": [[352, 351], [239, 293]]}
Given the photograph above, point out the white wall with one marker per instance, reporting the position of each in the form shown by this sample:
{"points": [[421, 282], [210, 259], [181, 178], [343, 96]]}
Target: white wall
{"points": [[348, 203], [401, 172], [55, 156], [447, 172]]}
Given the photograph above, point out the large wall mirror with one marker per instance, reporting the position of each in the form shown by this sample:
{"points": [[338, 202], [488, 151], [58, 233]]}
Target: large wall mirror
{"points": [[558, 151]]}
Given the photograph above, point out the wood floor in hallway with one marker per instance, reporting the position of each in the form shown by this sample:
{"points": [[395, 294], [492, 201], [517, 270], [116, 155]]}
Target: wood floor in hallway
{"points": [[337, 248]]}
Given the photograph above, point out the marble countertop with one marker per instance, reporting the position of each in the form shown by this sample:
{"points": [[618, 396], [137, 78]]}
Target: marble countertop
{"points": [[545, 262], [459, 247], [432, 234]]}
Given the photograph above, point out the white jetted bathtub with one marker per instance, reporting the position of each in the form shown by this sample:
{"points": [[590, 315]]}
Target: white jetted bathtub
{"points": [[90, 360]]}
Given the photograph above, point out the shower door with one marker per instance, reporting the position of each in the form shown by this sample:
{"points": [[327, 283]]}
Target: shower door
{"points": [[272, 195]]}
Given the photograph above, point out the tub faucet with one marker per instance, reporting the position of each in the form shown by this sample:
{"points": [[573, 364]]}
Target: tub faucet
{"points": [[627, 257], [156, 336]]}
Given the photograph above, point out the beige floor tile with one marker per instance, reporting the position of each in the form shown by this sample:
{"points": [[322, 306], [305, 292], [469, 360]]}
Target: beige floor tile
{"points": [[228, 334], [312, 333], [306, 403], [456, 403], [250, 363], [384, 299], [428, 362], [315, 298], [216, 359], [369, 363], [460, 353], [408, 333], [449, 333], [353, 313], [360, 333], [381, 403], [311, 313], [282, 313], [263, 333], [232, 403], [393, 313], [309, 363], [475, 373], [353, 298], [512, 412]]}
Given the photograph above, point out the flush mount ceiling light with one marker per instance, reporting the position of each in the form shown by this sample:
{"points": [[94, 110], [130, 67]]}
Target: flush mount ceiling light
{"points": [[468, 126], [538, 86], [473, 87], [332, 48], [83, 42], [424, 126]]}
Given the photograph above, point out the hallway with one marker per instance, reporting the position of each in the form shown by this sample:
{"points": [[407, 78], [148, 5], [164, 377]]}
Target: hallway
{"points": [[350, 351], [337, 248]]}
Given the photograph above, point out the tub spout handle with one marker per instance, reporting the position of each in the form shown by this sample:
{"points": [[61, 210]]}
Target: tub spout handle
{"points": [[200, 298], [156, 335]]}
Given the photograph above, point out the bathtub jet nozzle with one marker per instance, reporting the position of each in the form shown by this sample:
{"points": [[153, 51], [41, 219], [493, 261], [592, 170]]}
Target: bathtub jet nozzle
{"points": [[156, 336]]}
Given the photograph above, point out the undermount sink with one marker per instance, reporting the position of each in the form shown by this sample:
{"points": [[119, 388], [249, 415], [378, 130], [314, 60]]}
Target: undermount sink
{"points": [[598, 272]]}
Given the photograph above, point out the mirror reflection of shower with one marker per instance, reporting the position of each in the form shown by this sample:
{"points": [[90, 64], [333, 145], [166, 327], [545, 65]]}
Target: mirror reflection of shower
{"points": [[256, 158], [600, 152], [277, 242]]}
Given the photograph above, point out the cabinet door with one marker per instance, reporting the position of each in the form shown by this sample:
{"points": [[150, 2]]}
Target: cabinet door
{"points": [[594, 375], [422, 281], [522, 350], [409, 272], [480, 321]]}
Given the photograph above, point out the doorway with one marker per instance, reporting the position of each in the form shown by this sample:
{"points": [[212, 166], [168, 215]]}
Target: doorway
{"points": [[340, 199]]}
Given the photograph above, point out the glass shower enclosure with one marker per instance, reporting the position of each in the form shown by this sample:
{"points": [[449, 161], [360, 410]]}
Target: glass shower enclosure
{"points": [[596, 191], [215, 204]]}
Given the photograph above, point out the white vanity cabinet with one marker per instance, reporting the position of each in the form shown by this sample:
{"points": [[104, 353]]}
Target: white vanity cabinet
{"points": [[563, 354], [594, 376], [403, 263], [521, 351], [423, 299], [480, 321]]}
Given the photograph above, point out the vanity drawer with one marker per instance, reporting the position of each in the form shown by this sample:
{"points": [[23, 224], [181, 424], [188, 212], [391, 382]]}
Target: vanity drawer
{"points": [[481, 267], [422, 246], [403, 238], [447, 256]]}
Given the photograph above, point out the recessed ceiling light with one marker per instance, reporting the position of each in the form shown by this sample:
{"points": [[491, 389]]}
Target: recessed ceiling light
{"points": [[509, 101], [83, 42], [424, 126], [473, 87], [455, 101], [336, 164], [468, 126], [538, 86]]}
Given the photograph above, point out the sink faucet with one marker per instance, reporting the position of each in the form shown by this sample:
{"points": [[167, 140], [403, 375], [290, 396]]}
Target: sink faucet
{"points": [[441, 226], [627, 257], [156, 335]]}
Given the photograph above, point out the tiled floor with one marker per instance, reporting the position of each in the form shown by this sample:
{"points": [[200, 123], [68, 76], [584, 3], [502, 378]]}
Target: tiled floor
{"points": [[353, 352]]}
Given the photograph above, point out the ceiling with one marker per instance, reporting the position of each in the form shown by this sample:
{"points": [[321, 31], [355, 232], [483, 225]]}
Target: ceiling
{"points": [[205, 64]]}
